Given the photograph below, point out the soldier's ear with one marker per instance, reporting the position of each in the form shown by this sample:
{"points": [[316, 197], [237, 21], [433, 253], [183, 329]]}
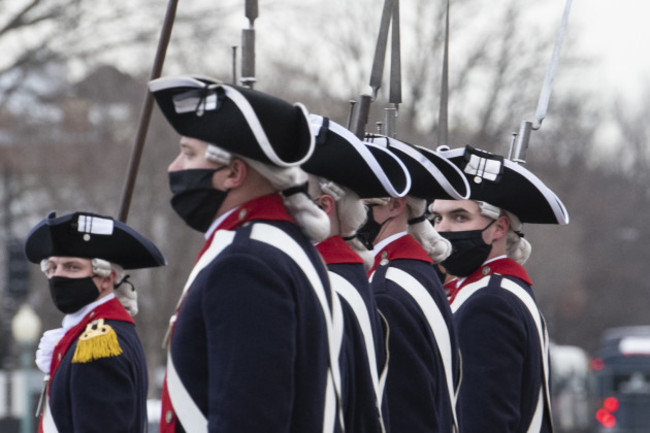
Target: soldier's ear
{"points": [[105, 284], [501, 226], [327, 203], [236, 173], [396, 205]]}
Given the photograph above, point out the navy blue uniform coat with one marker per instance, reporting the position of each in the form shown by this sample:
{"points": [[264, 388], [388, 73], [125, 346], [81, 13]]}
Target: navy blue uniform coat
{"points": [[416, 389], [250, 342], [104, 395], [502, 363]]}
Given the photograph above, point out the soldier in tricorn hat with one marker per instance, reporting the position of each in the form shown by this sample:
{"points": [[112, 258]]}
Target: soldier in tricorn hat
{"points": [[250, 341], [95, 361], [343, 171], [501, 332], [424, 366]]}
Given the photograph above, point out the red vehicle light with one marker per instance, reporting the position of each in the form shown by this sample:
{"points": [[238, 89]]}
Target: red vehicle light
{"points": [[609, 421], [610, 404], [597, 364]]}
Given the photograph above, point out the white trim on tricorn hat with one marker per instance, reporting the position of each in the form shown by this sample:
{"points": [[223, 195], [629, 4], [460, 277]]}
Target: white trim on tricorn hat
{"points": [[237, 119], [507, 185], [84, 234], [432, 176], [367, 169]]}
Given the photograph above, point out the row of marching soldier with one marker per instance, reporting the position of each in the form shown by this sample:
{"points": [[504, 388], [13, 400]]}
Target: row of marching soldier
{"points": [[317, 302]]}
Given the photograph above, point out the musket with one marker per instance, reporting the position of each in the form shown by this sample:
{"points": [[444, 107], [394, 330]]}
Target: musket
{"points": [[145, 115], [518, 150], [376, 73], [443, 117], [395, 91], [248, 45]]}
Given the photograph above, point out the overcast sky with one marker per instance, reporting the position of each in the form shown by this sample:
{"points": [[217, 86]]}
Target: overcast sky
{"points": [[616, 32]]}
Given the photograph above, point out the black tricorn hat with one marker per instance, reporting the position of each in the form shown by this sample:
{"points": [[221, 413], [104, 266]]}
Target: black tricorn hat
{"points": [[83, 234], [507, 185], [367, 169], [432, 175], [239, 120]]}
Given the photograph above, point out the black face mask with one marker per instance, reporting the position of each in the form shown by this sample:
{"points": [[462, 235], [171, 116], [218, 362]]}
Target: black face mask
{"points": [[194, 198], [370, 229], [469, 251], [71, 294]]}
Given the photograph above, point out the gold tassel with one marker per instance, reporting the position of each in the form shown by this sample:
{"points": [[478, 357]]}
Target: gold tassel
{"points": [[98, 341]]}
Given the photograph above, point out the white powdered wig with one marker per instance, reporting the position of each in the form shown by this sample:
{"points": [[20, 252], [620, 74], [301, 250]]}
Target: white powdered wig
{"points": [[350, 212], [517, 248], [437, 247], [124, 290], [313, 221]]}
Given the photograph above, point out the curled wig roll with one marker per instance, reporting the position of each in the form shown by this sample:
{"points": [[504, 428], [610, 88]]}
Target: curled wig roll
{"points": [[351, 214], [311, 219], [517, 247], [437, 247]]}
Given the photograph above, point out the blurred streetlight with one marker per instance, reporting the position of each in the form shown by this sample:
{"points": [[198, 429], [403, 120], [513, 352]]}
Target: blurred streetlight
{"points": [[26, 329]]}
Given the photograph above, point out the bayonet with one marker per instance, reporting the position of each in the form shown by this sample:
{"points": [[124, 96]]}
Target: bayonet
{"points": [[395, 91], [518, 153], [390, 13]]}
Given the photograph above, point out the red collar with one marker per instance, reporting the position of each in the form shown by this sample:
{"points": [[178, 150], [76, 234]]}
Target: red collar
{"points": [[405, 247], [335, 250], [505, 266], [269, 207], [111, 310]]}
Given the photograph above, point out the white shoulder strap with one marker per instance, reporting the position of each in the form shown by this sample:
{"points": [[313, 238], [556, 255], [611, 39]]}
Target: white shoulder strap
{"points": [[48, 421], [333, 320], [221, 240], [466, 293], [186, 410], [437, 325], [188, 413], [347, 291]]}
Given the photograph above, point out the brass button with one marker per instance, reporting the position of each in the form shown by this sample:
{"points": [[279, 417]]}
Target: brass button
{"points": [[242, 214], [486, 270], [169, 416]]}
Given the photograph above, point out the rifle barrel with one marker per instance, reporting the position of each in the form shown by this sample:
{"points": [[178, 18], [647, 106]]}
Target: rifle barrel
{"points": [[145, 115]]}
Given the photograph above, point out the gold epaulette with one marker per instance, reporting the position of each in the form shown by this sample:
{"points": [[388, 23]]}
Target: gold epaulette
{"points": [[98, 341]]}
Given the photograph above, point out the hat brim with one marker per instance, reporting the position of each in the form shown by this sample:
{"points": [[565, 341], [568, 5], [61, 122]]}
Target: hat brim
{"points": [[237, 119], [368, 170], [432, 175], [70, 236], [515, 189]]}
